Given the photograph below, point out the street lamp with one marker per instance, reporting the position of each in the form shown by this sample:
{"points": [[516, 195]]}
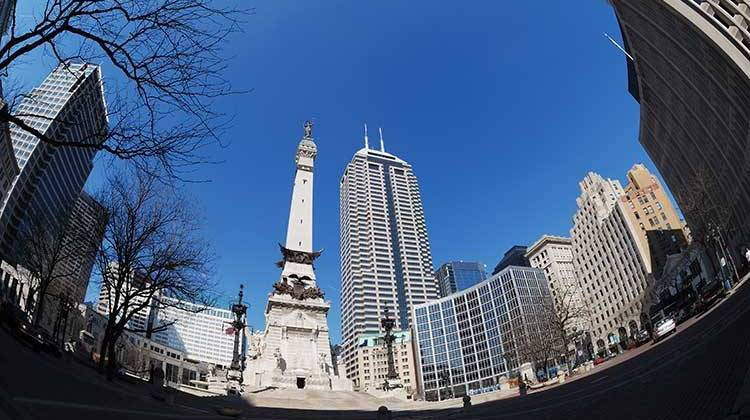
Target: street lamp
{"points": [[234, 374], [391, 379]]}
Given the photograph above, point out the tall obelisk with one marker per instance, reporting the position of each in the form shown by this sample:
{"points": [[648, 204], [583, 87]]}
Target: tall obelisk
{"points": [[294, 350]]}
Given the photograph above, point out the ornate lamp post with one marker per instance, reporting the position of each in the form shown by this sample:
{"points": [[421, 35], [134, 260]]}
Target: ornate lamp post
{"points": [[234, 374], [391, 379], [61, 321]]}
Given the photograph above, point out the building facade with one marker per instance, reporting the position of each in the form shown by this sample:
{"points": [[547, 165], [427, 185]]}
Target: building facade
{"points": [[690, 72], [68, 106], [372, 359], [660, 228], [608, 261], [459, 275], [201, 333], [554, 256], [386, 262], [8, 165], [142, 320], [516, 256], [470, 342], [85, 230]]}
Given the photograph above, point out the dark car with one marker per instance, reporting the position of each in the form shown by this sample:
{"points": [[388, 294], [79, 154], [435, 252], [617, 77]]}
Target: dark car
{"points": [[642, 337], [11, 316], [29, 335], [711, 294]]}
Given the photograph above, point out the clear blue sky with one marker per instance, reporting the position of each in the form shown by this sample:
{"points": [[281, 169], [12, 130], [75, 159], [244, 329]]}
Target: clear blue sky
{"points": [[501, 107]]}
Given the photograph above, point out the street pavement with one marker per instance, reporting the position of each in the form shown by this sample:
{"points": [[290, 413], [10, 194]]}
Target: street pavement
{"points": [[701, 372]]}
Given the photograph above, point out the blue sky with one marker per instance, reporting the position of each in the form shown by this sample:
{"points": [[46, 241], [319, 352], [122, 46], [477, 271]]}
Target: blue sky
{"points": [[501, 108]]}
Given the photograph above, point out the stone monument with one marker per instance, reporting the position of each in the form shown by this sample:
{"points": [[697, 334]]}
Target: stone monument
{"points": [[294, 349]]}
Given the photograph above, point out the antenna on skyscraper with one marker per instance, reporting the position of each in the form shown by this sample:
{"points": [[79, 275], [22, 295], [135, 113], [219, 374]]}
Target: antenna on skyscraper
{"points": [[382, 147], [367, 144], [618, 46]]}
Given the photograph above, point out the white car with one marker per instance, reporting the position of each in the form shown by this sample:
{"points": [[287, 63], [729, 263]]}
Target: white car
{"points": [[663, 328]]}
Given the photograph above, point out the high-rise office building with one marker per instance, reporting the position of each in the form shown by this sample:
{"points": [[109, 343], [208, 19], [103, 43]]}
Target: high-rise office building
{"points": [[516, 256], [386, 263], [202, 333], [661, 233], [68, 106], [459, 275], [608, 261], [469, 342], [141, 319], [8, 165], [7, 10], [85, 231], [689, 68], [554, 256]]}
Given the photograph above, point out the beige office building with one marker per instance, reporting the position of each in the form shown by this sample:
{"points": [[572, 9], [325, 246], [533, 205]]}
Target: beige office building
{"points": [[608, 261], [372, 362], [660, 228], [554, 256]]}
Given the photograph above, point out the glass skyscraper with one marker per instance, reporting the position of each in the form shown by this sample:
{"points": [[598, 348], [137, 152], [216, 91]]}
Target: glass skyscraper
{"points": [[68, 106], [468, 341], [459, 275], [386, 263]]}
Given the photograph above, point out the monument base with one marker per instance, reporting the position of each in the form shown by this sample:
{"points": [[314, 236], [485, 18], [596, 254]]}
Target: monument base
{"points": [[294, 350]]}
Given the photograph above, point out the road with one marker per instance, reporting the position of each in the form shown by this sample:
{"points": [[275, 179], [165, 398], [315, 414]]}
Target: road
{"points": [[699, 373]]}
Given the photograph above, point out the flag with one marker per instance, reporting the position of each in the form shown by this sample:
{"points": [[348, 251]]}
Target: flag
{"points": [[229, 331]]}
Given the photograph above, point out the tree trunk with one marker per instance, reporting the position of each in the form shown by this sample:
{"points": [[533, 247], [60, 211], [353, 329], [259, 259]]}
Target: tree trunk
{"points": [[103, 351], [39, 310], [111, 360]]}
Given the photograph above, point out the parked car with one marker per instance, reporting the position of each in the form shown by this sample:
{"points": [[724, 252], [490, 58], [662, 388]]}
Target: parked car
{"points": [[711, 294], [663, 328], [27, 334], [11, 316], [642, 337], [683, 315]]}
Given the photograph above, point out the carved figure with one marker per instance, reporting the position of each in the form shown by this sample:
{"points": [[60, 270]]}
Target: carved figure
{"points": [[297, 289]]}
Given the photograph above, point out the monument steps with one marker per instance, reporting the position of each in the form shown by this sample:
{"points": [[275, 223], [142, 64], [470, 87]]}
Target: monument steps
{"points": [[323, 400]]}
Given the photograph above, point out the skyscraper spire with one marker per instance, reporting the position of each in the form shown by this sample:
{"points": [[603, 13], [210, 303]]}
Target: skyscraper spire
{"points": [[382, 146], [367, 144]]}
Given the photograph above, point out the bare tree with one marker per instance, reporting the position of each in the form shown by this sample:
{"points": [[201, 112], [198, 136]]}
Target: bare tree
{"points": [[152, 256], [711, 218], [50, 250], [566, 314], [170, 64], [539, 345]]}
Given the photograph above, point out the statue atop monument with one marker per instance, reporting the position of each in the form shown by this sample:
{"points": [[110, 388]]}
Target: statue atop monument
{"points": [[308, 129]]}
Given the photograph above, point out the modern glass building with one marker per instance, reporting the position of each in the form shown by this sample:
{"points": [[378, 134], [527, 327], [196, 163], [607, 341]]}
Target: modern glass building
{"points": [[202, 333], [68, 106], [459, 275], [469, 341], [516, 255]]}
